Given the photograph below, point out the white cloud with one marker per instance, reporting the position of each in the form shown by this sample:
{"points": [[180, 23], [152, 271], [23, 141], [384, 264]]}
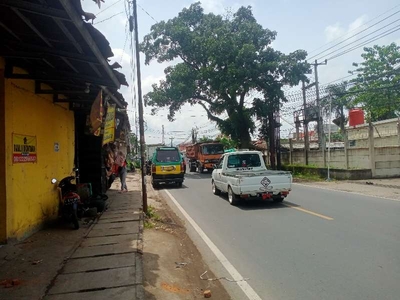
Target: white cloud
{"points": [[215, 6], [223, 6], [333, 32], [148, 81], [122, 57]]}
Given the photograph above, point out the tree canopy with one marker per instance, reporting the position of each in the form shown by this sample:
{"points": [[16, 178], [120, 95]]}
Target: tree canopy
{"points": [[377, 86], [221, 62], [340, 100]]}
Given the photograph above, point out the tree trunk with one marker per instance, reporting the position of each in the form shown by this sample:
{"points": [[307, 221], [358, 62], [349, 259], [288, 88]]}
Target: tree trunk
{"points": [[244, 137]]}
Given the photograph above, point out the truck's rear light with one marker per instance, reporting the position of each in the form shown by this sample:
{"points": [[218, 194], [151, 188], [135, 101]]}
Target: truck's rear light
{"points": [[266, 196], [285, 193], [245, 196]]}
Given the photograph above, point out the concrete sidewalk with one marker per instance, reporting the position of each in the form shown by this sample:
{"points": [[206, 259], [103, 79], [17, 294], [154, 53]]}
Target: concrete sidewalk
{"points": [[108, 263]]}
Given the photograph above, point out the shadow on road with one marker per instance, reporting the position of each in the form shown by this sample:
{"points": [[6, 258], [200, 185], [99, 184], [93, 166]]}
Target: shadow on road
{"points": [[198, 175], [260, 204]]}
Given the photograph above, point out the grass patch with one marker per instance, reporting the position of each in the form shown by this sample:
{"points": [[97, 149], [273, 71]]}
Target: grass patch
{"points": [[151, 217], [148, 224], [307, 177]]}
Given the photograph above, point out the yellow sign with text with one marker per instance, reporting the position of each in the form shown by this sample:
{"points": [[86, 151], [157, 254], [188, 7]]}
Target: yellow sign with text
{"points": [[109, 126], [24, 148]]}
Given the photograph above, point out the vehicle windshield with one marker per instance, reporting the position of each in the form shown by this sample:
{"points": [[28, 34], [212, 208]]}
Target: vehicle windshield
{"points": [[244, 161], [213, 149], [168, 156]]}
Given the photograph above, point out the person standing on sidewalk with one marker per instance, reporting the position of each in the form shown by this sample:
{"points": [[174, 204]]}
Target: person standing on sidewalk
{"points": [[121, 162]]}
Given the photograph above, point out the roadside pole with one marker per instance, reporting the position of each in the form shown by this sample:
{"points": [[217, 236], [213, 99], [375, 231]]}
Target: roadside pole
{"points": [[140, 105], [329, 138], [321, 136]]}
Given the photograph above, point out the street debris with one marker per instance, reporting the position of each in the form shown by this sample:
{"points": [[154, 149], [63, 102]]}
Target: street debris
{"points": [[174, 288], [36, 262], [9, 283], [220, 278], [180, 264], [207, 294]]}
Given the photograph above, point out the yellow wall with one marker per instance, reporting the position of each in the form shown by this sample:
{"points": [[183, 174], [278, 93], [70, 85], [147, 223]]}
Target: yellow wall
{"points": [[3, 199], [31, 198]]}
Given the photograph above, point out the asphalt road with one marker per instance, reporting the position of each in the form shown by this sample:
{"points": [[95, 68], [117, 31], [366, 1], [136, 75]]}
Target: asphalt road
{"points": [[319, 244]]}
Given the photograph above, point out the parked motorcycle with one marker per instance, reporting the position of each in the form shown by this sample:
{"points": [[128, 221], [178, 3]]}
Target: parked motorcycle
{"points": [[70, 200], [148, 167]]}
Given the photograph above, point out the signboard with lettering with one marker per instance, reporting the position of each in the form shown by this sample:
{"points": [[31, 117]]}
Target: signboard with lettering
{"points": [[109, 126], [24, 148]]}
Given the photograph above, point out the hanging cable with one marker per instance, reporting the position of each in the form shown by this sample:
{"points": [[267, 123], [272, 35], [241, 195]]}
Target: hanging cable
{"points": [[111, 5], [350, 37], [389, 10], [388, 32], [353, 42]]}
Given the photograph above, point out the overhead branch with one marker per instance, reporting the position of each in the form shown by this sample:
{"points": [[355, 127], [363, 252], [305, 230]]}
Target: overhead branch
{"points": [[226, 97], [188, 63], [202, 98], [210, 115]]}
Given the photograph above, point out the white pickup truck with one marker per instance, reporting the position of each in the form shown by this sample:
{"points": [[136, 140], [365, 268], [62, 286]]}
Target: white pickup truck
{"points": [[243, 175]]}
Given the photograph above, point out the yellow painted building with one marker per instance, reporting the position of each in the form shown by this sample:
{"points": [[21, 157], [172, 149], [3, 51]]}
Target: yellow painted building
{"points": [[27, 196]]}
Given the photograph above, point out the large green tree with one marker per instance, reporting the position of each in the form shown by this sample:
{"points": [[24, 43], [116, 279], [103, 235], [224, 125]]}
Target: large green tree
{"points": [[222, 61], [377, 86]]}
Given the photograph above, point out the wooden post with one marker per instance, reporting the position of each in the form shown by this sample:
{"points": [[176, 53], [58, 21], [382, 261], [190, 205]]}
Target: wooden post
{"points": [[371, 148], [291, 151]]}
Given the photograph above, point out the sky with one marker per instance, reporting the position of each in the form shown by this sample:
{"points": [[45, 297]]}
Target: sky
{"points": [[313, 25]]}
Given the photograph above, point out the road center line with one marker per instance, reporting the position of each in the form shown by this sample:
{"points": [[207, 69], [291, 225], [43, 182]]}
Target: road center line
{"points": [[246, 288], [309, 212]]}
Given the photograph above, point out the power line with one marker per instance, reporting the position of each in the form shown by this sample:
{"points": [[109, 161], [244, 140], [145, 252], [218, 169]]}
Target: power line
{"points": [[114, 15], [334, 46], [126, 39], [111, 5], [349, 44], [388, 32], [147, 13], [384, 13]]}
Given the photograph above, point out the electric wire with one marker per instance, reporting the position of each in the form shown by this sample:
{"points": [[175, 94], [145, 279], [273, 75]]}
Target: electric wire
{"points": [[369, 27], [384, 13]]}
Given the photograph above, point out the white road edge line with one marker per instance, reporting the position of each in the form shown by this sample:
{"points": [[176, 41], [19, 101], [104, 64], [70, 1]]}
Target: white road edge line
{"points": [[355, 193], [246, 288]]}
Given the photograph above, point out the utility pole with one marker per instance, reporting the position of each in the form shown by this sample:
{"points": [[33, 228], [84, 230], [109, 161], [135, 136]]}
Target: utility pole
{"points": [[305, 122], [321, 136], [140, 104], [163, 136], [329, 137], [171, 138]]}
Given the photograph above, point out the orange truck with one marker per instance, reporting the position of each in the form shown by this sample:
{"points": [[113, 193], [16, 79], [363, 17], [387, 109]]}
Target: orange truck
{"points": [[202, 156]]}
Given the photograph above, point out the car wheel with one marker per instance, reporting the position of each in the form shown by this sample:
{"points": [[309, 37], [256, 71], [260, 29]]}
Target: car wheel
{"points": [[193, 169], [233, 199], [179, 184], [155, 186], [215, 190]]}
